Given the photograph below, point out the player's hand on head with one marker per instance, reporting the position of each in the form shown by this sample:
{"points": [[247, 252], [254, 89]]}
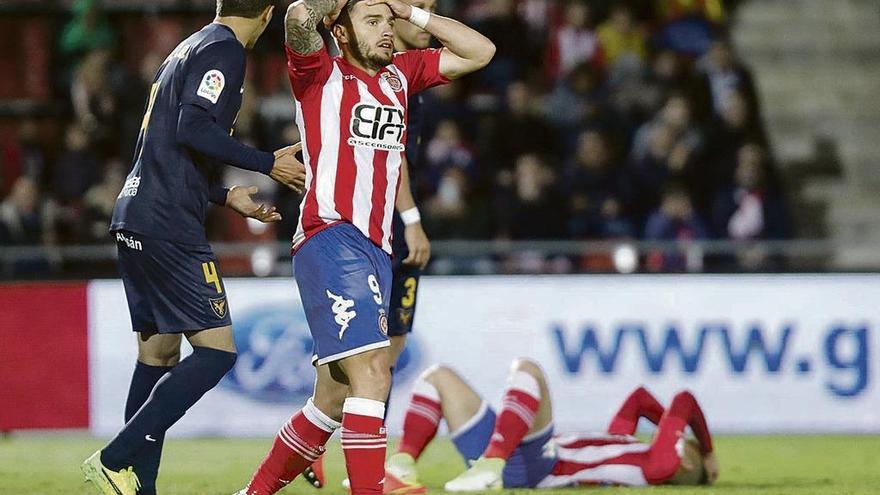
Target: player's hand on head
{"points": [[288, 170], [239, 199], [710, 464], [418, 244], [400, 9], [330, 18]]}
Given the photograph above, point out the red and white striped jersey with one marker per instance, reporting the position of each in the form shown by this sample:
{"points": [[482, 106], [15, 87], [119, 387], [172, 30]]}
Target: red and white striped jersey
{"points": [[598, 459], [353, 128]]}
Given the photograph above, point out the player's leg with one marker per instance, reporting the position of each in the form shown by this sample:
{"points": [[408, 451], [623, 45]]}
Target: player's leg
{"points": [[187, 295], [402, 307], [521, 432], [440, 393], [526, 409], [301, 440], [668, 445], [157, 355], [363, 419], [640, 403]]}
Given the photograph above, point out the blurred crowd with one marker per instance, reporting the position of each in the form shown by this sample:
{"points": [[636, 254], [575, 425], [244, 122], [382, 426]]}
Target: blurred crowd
{"points": [[597, 120]]}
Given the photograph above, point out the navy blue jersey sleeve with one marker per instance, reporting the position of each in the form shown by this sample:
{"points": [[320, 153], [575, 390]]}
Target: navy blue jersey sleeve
{"points": [[214, 79], [196, 130], [217, 195], [214, 74]]}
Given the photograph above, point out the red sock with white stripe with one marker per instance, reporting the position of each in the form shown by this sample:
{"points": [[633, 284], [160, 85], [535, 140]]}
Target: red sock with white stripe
{"points": [[298, 444], [517, 415], [363, 443], [421, 420]]}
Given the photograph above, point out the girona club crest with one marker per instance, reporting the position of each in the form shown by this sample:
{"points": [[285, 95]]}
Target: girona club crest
{"points": [[393, 81]]}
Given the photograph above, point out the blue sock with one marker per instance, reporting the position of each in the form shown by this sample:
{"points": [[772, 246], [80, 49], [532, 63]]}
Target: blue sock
{"points": [[142, 382], [172, 396]]}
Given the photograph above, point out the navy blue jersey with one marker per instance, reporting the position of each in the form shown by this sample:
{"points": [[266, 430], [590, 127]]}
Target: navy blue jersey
{"points": [[166, 193], [415, 118]]}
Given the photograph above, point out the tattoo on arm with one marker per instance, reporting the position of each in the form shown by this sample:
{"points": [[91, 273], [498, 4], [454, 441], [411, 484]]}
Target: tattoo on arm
{"points": [[301, 33]]}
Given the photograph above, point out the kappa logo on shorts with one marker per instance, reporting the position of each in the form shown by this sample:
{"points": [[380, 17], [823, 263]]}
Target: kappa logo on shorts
{"points": [[341, 313], [218, 305]]}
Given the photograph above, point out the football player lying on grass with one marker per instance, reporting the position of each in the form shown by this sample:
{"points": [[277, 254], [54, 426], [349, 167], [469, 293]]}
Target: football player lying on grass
{"points": [[517, 448]]}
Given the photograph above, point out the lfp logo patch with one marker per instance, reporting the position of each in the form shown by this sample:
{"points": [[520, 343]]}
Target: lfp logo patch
{"points": [[274, 355], [212, 85]]}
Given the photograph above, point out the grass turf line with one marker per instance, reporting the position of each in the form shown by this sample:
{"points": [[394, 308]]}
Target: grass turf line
{"points": [[771, 465]]}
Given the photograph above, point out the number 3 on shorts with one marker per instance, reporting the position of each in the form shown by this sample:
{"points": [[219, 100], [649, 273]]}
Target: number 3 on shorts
{"points": [[374, 286]]}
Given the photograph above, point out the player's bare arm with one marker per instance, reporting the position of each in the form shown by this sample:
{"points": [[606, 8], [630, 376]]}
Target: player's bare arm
{"points": [[287, 169], [416, 240], [301, 23], [465, 50]]}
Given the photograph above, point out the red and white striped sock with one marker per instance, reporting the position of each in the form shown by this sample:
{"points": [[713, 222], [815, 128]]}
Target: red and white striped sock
{"points": [[421, 420], [363, 443], [517, 415], [298, 444]]}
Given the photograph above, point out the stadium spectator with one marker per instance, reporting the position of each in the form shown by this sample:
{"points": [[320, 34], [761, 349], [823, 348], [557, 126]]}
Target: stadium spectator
{"points": [[99, 200], [512, 38], [675, 220], [529, 202], [595, 190], [621, 37], [576, 101], [447, 150], [21, 222], [518, 129], [721, 74], [77, 169], [751, 208], [572, 43], [87, 30]]}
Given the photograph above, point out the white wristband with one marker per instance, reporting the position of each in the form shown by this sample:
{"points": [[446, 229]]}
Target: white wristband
{"points": [[419, 17], [410, 216]]}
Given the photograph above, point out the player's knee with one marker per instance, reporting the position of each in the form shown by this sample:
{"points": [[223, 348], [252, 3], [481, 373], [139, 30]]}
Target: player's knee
{"points": [[684, 398], [529, 366], [438, 375], [159, 357], [370, 377]]}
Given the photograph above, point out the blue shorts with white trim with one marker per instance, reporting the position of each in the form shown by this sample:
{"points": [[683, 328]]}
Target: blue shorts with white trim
{"points": [[344, 283], [531, 462]]}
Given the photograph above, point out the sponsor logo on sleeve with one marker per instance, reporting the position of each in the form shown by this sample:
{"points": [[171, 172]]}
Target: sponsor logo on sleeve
{"points": [[212, 85]]}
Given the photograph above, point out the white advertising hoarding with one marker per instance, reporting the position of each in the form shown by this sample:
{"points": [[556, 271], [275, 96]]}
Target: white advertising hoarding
{"points": [[780, 353]]}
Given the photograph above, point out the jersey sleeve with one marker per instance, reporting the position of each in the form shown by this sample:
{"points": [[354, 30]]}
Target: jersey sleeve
{"points": [[214, 74], [307, 72], [421, 69]]}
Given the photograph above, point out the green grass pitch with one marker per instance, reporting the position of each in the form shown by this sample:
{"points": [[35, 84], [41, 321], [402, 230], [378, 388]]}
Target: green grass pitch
{"points": [[753, 465]]}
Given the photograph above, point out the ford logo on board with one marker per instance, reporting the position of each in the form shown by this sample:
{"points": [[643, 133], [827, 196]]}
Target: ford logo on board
{"points": [[275, 355]]}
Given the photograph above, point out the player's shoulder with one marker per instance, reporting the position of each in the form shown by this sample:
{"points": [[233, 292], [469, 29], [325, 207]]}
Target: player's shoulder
{"points": [[218, 41]]}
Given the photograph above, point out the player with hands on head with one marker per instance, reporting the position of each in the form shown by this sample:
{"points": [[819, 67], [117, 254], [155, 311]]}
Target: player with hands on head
{"points": [[352, 116]]}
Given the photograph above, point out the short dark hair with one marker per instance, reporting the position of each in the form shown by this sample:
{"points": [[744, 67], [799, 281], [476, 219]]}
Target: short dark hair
{"points": [[242, 8], [345, 16]]}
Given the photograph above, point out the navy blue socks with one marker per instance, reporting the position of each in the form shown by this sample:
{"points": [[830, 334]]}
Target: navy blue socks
{"points": [[172, 396], [147, 463]]}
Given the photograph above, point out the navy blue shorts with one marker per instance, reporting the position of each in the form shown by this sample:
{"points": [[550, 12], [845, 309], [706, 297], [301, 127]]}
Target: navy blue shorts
{"points": [[532, 461], [171, 287], [344, 283], [404, 292]]}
